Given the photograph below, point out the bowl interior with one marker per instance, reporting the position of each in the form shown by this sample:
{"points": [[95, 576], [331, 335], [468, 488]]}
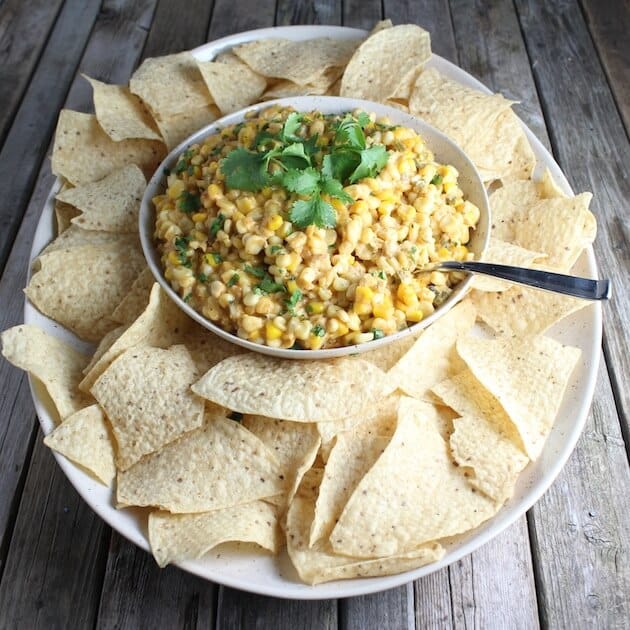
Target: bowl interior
{"points": [[445, 151]]}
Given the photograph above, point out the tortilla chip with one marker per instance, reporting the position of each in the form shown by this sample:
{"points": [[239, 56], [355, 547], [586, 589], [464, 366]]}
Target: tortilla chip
{"points": [[178, 537], [527, 375], [84, 439], [413, 494], [170, 85], [495, 461], [311, 391], [386, 357], [294, 444], [350, 459], [503, 253], [121, 114], [302, 62], [161, 325], [216, 466], [177, 128], [383, 60], [110, 204], [64, 213], [146, 395], [52, 361], [432, 358], [103, 346], [286, 89], [81, 286], [482, 125], [232, 85], [524, 310], [84, 153], [134, 303], [319, 563], [75, 236]]}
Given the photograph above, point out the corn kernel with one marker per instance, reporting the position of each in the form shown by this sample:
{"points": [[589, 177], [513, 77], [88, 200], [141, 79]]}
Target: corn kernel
{"points": [[292, 286], [272, 331], [215, 192], [364, 294], [274, 222], [460, 252], [199, 217], [415, 315], [384, 308], [315, 307], [406, 293], [173, 258]]}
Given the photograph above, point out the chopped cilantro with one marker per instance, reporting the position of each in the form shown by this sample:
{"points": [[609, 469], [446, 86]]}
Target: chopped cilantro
{"points": [[257, 272], [268, 285], [202, 277], [378, 333], [381, 275], [216, 257], [181, 246], [187, 297], [217, 225], [189, 202], [291, 303], [437, 180], [276, 248], [318, 330], [233, 280]]}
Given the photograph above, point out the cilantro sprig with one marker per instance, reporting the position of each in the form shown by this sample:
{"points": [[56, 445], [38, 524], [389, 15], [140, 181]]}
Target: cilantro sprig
{"points": [[288, 160]]}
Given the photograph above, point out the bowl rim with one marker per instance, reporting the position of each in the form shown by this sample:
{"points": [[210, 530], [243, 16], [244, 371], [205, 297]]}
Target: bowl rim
{"points": [[146, 221]]}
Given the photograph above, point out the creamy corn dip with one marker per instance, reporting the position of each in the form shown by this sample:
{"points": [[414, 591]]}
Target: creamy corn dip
{"points": [[304, 230]]}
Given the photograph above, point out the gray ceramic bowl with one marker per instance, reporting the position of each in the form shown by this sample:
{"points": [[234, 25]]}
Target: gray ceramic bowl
{"points": [[445, 151]]}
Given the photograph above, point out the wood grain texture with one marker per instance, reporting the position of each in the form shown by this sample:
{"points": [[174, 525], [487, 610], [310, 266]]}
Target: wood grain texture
{"points": [[432, 600], [54, 568], [251, 14], [494, 586], [33, 125], [308, 12], [24, 28], [359, 14], [236, 609], [177, 26], [580, 535], [591, 146], [138, 594], [389, 609], [609, 24]]}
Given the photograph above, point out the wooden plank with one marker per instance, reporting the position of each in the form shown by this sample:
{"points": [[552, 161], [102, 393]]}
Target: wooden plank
{"points": [[359, 14], [308, 12], [390, 609], [434, 17], [494, 587], [432, 600], [580, 535], [24, 28], [178, 26], [251, 14], [138, 594], [590, 144], [609, 24], [236, 609], [30, 133], [53, 572]]}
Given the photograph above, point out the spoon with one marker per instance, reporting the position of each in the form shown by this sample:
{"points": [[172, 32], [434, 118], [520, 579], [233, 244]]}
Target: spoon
{"points": [[584, 288]]}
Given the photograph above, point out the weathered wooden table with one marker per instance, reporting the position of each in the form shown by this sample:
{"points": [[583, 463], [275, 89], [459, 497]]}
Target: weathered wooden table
{"points": [[564, 565]]}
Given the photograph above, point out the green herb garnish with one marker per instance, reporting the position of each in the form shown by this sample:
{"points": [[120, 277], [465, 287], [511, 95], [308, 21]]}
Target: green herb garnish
{"points": [[189, 202], [217, 225], [318, 330], [202, 277], [181, 247], [378, 333], [437, 180], [268, 285], [291, 303], [275, 249], [233, 280]]}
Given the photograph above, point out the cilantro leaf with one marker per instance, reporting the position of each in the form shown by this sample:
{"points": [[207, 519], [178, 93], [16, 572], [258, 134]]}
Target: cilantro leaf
{"points": [[310, 145], [276, 248], [296, 151], [202, 277], [304, 182], [233, 280], [372, 161], [340, 164], [217, 225], [437, 180], [363, 119], [291, 125], [268, 285], [349, 133], [318, 330], [334, 188], [264, 137], [313, 211], [291, 303], [245, 170], [189, 202], [257, 272]]}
